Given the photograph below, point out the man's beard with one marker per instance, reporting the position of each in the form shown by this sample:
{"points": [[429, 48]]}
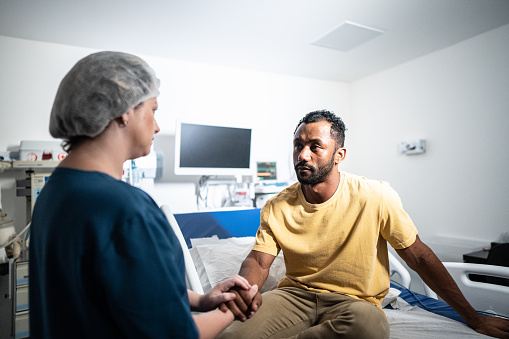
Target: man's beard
{"points": [[318, 175]]}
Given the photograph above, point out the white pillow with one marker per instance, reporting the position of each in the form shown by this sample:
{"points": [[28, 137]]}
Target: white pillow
{"points": [[215, 240], [222, 258], [203, 241], [200, 269]]}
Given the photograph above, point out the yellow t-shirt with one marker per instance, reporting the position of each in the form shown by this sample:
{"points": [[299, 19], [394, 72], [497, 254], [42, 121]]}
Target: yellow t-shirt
{"points": [[339, 246]]}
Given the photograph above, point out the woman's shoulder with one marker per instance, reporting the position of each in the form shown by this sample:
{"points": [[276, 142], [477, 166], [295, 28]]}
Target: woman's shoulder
{"points": [[98, 188]]}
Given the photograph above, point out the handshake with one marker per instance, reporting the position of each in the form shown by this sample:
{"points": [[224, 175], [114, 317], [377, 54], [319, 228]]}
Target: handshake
{"points": [[242, 299], [234, 296]]}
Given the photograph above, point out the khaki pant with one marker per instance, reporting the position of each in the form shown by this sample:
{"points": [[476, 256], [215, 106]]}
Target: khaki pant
{"points": [[291, 312]]}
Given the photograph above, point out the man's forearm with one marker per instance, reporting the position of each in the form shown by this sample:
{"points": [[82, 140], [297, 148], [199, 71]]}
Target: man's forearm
{"points": [[253, 271], [422, 260], [436, 276]]}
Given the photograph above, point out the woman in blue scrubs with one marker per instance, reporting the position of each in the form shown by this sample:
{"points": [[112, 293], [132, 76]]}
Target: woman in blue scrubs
{"points": [[104, 262]]}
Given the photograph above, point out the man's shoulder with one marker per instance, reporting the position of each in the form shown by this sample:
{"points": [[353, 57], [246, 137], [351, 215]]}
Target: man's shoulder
{"points": [[360, 186], [290, 192], [361, 181], [287, 196]]}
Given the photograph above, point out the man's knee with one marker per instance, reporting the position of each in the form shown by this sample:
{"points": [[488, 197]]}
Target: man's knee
{"points": [[362, 320]]}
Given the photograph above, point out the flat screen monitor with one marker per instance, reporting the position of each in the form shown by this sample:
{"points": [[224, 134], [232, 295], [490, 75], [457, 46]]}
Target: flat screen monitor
{"points": [[266, 171], [212, 150]]}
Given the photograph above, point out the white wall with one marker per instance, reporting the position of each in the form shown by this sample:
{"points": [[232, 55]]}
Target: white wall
{"points": [[456, 99], [270, 104]]}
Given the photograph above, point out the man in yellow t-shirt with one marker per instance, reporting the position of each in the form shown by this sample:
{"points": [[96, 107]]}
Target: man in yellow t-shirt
{"points": [[329, 251], [333, 228]]}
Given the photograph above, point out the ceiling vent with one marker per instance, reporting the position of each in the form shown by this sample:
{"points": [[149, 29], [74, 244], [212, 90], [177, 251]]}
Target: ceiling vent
{"points": [[347, 36]]}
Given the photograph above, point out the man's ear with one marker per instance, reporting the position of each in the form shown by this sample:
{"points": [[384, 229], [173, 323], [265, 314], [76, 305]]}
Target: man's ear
{"points": [[340, 155]]}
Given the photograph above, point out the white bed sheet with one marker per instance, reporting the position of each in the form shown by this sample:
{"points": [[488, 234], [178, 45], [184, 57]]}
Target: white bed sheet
{"points": [[416, 323]]}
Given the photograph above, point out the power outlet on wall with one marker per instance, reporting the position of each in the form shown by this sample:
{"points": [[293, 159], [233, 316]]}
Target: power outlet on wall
{"points": [[413, 147]]}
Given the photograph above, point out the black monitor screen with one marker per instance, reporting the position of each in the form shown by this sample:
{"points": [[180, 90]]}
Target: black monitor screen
{"points": [[203, 146]]}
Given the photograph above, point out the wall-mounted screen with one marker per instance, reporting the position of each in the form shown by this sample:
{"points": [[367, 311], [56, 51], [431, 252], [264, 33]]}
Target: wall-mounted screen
{"points": [[212, 150]]}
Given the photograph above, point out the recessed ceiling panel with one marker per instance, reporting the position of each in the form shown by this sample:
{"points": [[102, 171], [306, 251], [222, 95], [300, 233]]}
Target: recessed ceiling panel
{"points": [[347, 36]]}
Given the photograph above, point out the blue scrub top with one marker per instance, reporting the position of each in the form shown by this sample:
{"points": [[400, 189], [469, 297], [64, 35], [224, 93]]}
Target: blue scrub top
{"points": [[104, 263]]}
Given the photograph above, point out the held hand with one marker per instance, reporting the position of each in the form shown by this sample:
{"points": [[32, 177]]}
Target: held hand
{"points": [[221, 294], [493, 326], [245, 304]]}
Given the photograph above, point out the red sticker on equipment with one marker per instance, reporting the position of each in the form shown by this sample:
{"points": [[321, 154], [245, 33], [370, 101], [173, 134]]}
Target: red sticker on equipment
{"points": [[32, 156]]}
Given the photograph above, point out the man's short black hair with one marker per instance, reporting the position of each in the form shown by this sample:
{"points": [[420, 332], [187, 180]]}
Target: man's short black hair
{"points": [[338, 127]]}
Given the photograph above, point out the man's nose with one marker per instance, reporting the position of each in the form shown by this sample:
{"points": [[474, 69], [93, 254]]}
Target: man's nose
{"points": [[305, 154]]}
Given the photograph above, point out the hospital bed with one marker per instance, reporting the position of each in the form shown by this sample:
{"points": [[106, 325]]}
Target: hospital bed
{"points": [[216, 243]]}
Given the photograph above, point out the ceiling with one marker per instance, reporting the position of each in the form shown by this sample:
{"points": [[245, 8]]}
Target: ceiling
{"points": [[265, 35]]}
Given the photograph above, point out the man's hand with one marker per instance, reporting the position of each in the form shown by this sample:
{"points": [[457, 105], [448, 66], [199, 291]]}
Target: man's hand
{"points": [[492, 326], [244, 305], [221, 293], [255, 268]]}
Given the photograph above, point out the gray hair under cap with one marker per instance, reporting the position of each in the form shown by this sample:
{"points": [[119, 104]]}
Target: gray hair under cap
{"points": [[98, 89]]}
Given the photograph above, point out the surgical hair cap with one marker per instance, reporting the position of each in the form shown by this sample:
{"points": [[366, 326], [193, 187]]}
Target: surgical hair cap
{"points": [[98, 89]]}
